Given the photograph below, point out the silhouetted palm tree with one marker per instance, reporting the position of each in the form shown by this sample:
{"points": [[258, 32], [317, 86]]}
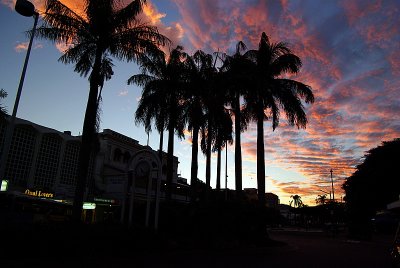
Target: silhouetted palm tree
{"points": [[270, 93], [296, 201], [223, 126], [105, 28], [236, 71], [321, 199], [218, 129], [163, 99], [210, 105], [152, 107], [201, 75]]}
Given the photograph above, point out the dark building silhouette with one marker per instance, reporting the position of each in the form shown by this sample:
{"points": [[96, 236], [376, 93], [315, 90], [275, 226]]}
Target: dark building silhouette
{"points": [[42, 164]]}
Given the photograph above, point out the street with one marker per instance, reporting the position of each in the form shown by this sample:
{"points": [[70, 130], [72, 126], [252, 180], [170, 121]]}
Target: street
{"points": [[303, 249]]}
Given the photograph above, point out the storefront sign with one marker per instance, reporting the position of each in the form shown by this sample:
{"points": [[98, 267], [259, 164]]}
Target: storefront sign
{"points": [[104, 200], [39, 194], [87, 205], [4, 186]]}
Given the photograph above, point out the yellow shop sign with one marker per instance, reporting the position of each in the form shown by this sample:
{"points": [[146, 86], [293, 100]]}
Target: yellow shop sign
{"points": [[39, 193]]}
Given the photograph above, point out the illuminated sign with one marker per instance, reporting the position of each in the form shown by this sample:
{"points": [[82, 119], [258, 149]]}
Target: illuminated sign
{"points": [[89, 205], [104, 200], [4, 186], [38, 194]]}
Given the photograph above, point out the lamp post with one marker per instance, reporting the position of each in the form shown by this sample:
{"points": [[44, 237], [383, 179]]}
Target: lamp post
{"points": [[27, 9]]}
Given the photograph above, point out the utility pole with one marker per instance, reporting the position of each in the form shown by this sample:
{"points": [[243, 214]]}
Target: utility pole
{"points": [[333, 191]]}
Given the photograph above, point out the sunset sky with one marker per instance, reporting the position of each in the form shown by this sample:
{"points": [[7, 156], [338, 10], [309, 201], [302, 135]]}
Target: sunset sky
{"points": [[351, 59]]}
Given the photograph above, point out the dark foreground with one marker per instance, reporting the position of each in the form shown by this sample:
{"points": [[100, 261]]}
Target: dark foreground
{"points": [[296, 249]]}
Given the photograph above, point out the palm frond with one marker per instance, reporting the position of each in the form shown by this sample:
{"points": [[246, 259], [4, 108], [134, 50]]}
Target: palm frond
{"points": [[287, 63], [140, 79], [304, 91], [124, 16]]}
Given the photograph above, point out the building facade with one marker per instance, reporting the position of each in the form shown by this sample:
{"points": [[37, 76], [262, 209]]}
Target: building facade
{"points": [[44, 160]]}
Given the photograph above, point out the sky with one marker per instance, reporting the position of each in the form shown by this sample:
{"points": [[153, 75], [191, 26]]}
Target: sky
{"points": [[351, 59]]}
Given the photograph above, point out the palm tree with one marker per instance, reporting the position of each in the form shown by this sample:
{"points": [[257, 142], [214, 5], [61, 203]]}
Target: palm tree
{"points": [[105, 28], [296, 201], [162, 97], [270, 93], [200, 67], [236, 72], [223, 128], [210, 106], [321, 199], [218, 123], [152, 107]]}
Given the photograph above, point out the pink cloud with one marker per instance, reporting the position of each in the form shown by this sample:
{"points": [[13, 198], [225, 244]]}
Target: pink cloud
{"points": [[150, 14], [23, 46]]}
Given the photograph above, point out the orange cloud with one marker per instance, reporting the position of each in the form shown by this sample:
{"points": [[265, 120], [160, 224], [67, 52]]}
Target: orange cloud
{"points": [[24, 46], [150, 14], [21, 47], [174, 31]]}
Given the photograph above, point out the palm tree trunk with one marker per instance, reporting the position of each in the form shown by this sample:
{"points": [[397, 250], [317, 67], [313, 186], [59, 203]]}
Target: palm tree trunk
{"points": [[238, 150], [88, 135], [170, 162], [219, 170], [208, 161], [260, 158], [194, 167]]}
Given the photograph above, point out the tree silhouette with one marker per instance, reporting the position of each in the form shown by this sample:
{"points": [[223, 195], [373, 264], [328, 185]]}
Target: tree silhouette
{"points": [[223, 130], [321, 199], [270, 93], [375, 183], [105, 28], [201, 69], [296, 201], [236, 71], [152, 107], [162, 99]]}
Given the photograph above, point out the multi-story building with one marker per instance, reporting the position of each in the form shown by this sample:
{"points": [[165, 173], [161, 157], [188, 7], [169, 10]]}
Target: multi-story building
{"points": [[40, 158], [43, 159]]}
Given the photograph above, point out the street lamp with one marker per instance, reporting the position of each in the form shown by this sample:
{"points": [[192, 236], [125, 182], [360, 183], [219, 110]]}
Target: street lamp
{"points": [[27, 9]]}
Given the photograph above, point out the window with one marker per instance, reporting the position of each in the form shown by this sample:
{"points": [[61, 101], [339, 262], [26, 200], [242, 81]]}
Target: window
{"points": [[20, 156], [69, 166], [47, 161], [117, 155], [127, 156]]}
